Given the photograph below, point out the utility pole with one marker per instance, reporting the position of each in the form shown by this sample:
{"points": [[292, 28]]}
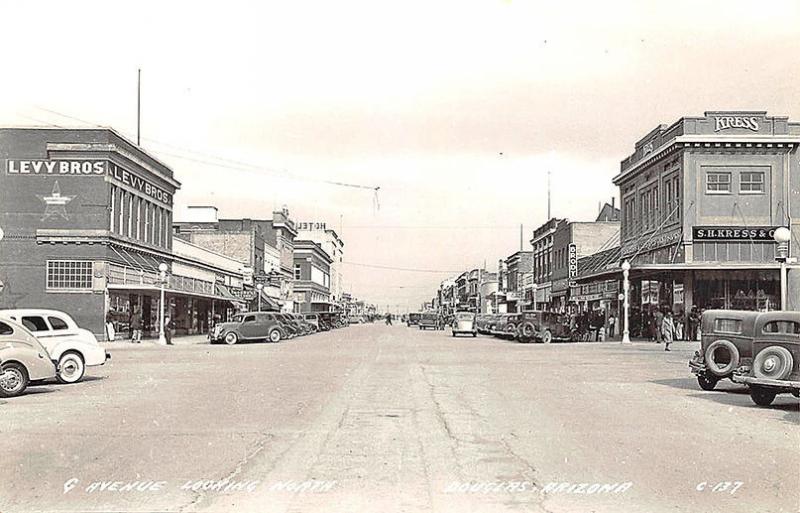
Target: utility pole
{"points": [[548, 194], [520, 236], [139, 108]]}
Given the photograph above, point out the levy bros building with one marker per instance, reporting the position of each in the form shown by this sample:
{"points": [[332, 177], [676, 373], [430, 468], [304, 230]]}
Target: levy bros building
{"points": [[701, 199], [87, 219]]}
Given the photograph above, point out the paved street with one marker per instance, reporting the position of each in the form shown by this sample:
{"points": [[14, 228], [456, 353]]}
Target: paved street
{"points": [[392, 419]]}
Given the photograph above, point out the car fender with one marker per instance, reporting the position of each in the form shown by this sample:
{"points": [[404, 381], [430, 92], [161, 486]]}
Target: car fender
{"points": [[37, 365], [91, 353]]}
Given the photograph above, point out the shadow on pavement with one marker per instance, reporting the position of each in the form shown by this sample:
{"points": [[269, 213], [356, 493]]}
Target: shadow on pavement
{"points": [[727, 387]]}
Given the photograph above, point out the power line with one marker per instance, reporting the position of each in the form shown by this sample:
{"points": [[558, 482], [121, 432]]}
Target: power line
{"points": [[242, 166], [390, 268]]}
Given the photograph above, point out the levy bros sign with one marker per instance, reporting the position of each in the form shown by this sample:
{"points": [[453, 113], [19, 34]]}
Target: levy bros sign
{"points": [[87, 168], [725, 122], [734, 233]]}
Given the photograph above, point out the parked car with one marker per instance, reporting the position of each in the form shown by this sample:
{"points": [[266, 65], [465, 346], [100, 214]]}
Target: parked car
{"points": [[250, 326], [481, 323], [291, 327], [413, 319], [307, 327], [775, 366], [725, 345], [544, 327], [313, 320], [72, 348], [429, 320], [464, 322], [506, 325], [24, 359]]}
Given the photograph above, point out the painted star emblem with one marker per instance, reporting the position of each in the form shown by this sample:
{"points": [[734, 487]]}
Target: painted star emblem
{"points": [[55, 203]]}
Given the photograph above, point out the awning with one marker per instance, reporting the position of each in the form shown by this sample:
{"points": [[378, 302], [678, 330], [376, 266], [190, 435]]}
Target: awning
{"points": [[155, 290], [271, 303], [223, 291]]}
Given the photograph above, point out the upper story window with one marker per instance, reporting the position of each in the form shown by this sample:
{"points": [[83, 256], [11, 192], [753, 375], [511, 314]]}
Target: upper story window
{"points": [[751, 182], [297, 272], [718, 183]]}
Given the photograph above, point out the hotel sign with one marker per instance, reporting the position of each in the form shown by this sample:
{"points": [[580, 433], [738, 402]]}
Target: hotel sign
{"points": [[734, 233], [311, 226]]}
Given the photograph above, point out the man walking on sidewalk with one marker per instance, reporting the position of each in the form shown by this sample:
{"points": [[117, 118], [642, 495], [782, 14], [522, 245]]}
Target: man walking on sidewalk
{"points": [[668, 330], [136, 326]]}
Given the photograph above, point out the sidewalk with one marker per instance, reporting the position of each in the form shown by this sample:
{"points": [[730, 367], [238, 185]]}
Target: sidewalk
{"points": [[186, 340]]}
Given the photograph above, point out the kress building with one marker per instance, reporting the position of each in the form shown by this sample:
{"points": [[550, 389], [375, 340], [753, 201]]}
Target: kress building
{"points": [[700, 201], [87, 217]]}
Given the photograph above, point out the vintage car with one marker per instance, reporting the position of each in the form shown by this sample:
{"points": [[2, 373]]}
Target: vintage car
{"points": [[464, 322], [775, 367], [726, 344], [413, 319], [307, 327], [250, 326], [24, 359], [506, 325], [72, 348], [544, 327], [313, 320], [482, 323], [429, 320], [291, 326]]}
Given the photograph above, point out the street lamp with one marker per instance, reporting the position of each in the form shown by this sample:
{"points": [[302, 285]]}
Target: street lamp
{"points": [[162, 273], [626, 289], [782, 236], [259, 287]]}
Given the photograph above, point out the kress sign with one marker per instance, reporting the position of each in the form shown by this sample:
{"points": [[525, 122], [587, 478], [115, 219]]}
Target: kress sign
{"points": [[734, 233]]}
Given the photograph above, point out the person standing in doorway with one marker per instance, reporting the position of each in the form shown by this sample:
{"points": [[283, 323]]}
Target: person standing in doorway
{"points": [[668, 330], [611, 321], [111, 333], [694, 322], [136, 326]]}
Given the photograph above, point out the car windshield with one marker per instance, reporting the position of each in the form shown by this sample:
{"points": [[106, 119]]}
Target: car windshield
{"points": [[464, 316]]}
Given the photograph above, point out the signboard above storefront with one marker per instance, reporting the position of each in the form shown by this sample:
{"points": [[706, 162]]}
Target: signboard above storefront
{"points": [[572, 255], [734, 233], [311, 226]]}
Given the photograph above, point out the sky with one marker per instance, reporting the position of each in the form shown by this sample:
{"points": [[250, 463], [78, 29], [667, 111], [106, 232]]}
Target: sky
{"points": [[456, 110]]}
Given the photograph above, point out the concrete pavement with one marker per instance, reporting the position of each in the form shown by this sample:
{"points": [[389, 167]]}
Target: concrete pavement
{"points": [[378, 418]]}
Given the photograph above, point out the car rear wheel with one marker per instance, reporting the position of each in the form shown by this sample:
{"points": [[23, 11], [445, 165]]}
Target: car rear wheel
{"points": [[722, 357], [762, 396], [511, 330], [547, 337], [707, 382], [71, 368], [275, 335], [15, 379], [231, 338], [774, 362]]}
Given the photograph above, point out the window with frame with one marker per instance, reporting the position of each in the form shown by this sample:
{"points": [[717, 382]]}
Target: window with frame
{"points": [[751, 182], [732, 326], [718, 183], [5, 329], [57, 323], [785, 327], [69, 275], [34, 323], [297, 272]]}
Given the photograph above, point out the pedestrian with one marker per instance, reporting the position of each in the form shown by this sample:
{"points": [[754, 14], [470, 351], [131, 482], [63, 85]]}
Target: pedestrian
{"points": [[658, 320], [136, 326], [668, 330], [694, 323], [168, 330], [111, 333], [611, 321]]}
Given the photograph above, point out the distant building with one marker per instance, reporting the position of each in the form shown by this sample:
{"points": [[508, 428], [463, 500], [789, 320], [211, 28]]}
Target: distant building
{"points": [[312, 277]]}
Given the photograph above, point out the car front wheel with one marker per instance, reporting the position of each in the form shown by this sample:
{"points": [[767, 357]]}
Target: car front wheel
{"points": [[762, 396], [547, 337], [275, 335], [15, 379], [231, 338], [70, 368], [707, 382]]}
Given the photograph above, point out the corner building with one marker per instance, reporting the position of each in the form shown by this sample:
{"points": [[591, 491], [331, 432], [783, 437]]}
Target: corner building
{"points": [[86, 214], [700, 201]]}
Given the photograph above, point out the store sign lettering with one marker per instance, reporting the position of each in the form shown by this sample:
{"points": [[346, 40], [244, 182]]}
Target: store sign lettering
{"points": [[734, 233], [311, 226], [56, 167], [572, 262], [725, 122], [140, 184], [86, 168]]}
